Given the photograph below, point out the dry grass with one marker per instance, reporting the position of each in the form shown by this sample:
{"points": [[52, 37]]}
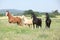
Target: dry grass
{"points": [[14, 32]]}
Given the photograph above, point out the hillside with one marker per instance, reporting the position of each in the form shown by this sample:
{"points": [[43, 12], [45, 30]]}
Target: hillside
{"points": [[13, 11]]}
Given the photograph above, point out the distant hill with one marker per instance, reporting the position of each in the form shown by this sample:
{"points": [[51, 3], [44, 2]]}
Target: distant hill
{"points": [[13, 11]]}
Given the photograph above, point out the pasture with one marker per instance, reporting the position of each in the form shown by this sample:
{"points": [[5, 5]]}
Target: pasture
{"points": [[14, 32]]}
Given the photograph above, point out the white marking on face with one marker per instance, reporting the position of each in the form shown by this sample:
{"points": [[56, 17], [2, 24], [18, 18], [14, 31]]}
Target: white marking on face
{"points": [[6, 13]]}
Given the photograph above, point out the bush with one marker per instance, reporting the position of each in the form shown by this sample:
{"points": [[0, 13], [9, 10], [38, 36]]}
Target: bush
{"points": [[1, 14], [52, 15]]}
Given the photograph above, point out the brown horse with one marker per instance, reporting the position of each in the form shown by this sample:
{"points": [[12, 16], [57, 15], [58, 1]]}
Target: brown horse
{"points": [[12, 19]]}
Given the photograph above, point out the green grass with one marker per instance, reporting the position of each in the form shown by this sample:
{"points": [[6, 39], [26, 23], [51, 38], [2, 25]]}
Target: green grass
{"points": [[14, 32]]}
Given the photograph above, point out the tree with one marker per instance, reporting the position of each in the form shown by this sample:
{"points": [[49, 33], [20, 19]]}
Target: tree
{"points": [[56, 12], [28, 12], [1, 14]]}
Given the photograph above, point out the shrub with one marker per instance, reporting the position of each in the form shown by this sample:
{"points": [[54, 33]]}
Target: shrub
{"points": [[1, 14], [52, 15]]}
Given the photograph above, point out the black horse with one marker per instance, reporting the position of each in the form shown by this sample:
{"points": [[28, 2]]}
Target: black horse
{"points": [[48, 20], [36, 21]]}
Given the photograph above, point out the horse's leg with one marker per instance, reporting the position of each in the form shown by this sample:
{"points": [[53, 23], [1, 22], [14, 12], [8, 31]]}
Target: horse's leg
{"points": [[49, 25], [37, 26], [19, 23], [29, 25], [46, 24], [40, 25], [10, 21], [33, 25]]}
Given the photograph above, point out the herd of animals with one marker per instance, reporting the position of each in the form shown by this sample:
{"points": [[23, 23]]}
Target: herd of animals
{"points": [[23, 20]]}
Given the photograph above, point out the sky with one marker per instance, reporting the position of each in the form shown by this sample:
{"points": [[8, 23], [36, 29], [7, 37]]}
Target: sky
{"points": [[36, 5]]}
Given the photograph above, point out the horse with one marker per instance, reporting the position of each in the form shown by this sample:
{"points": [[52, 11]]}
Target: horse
{"points": [[26, 21], [48, 20], [36, 21], [12, 19]]}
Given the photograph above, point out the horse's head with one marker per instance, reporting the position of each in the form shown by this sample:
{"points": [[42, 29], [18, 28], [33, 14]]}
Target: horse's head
{"points": [[23, 17], [47, 15], [7, 13], [33, 15]]}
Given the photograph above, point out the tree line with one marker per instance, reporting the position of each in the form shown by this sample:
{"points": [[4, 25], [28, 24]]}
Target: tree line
{"points": [[51, 14], [28, 13]]}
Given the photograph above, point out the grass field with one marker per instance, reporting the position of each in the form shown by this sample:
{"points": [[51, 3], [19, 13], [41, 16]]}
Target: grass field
{"points": [[15, 32]]}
